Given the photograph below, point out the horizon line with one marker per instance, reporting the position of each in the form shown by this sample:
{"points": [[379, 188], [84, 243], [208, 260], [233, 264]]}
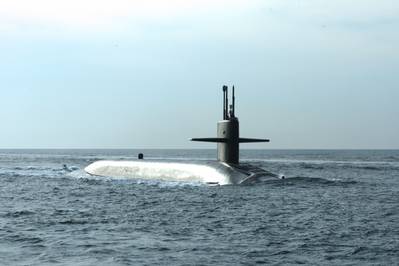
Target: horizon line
{"points": [[332, 149]]}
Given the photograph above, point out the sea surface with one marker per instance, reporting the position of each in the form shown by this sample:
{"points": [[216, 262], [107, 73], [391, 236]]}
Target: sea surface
{"points": [[335, 207]]}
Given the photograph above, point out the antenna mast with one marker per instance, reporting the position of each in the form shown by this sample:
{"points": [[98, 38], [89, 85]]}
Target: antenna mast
{"points": [[234, 102], [227, 104], [224, 102]]}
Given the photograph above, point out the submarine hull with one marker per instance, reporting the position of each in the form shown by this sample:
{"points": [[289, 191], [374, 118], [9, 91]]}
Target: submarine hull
{"points": [[208, 172]]}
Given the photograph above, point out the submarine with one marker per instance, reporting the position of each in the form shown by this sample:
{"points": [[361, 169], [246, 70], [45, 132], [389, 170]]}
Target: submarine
{"points": [[226, 170]]}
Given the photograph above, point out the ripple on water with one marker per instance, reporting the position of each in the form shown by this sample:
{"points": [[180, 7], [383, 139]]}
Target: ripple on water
{"points": [[327, 214]]}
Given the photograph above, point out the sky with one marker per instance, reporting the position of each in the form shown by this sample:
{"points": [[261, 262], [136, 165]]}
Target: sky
{"points": [[309, 74]]}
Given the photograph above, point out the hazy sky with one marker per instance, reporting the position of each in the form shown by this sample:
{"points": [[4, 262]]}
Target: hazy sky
{"points": [[148, 74]]}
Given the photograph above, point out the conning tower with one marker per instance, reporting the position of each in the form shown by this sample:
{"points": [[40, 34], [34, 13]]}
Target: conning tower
{"points": [[228, 133]]}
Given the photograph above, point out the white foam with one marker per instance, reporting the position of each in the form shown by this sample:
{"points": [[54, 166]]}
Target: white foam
{"points": [[167, 171]]}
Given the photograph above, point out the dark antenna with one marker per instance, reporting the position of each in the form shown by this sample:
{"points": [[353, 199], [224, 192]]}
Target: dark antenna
{"points": [[224, 102], [227, 103], [234, 102]]}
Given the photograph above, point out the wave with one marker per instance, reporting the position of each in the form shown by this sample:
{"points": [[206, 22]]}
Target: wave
{"points": [[75, 172], [31, 168], [318, 181], [36, 171], [16, 214], [329, 164], [283, 160]]}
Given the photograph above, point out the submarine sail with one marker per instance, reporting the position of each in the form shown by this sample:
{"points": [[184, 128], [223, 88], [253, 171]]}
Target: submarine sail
{"points": [[228, 133]]}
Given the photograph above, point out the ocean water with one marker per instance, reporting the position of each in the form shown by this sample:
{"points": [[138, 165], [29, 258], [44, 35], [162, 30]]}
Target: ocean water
{"points": [[336, 207]]}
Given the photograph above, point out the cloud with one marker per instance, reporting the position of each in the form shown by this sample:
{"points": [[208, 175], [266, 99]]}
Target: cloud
{"points": [[337, 10], [103, 14], [109, 15]]}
